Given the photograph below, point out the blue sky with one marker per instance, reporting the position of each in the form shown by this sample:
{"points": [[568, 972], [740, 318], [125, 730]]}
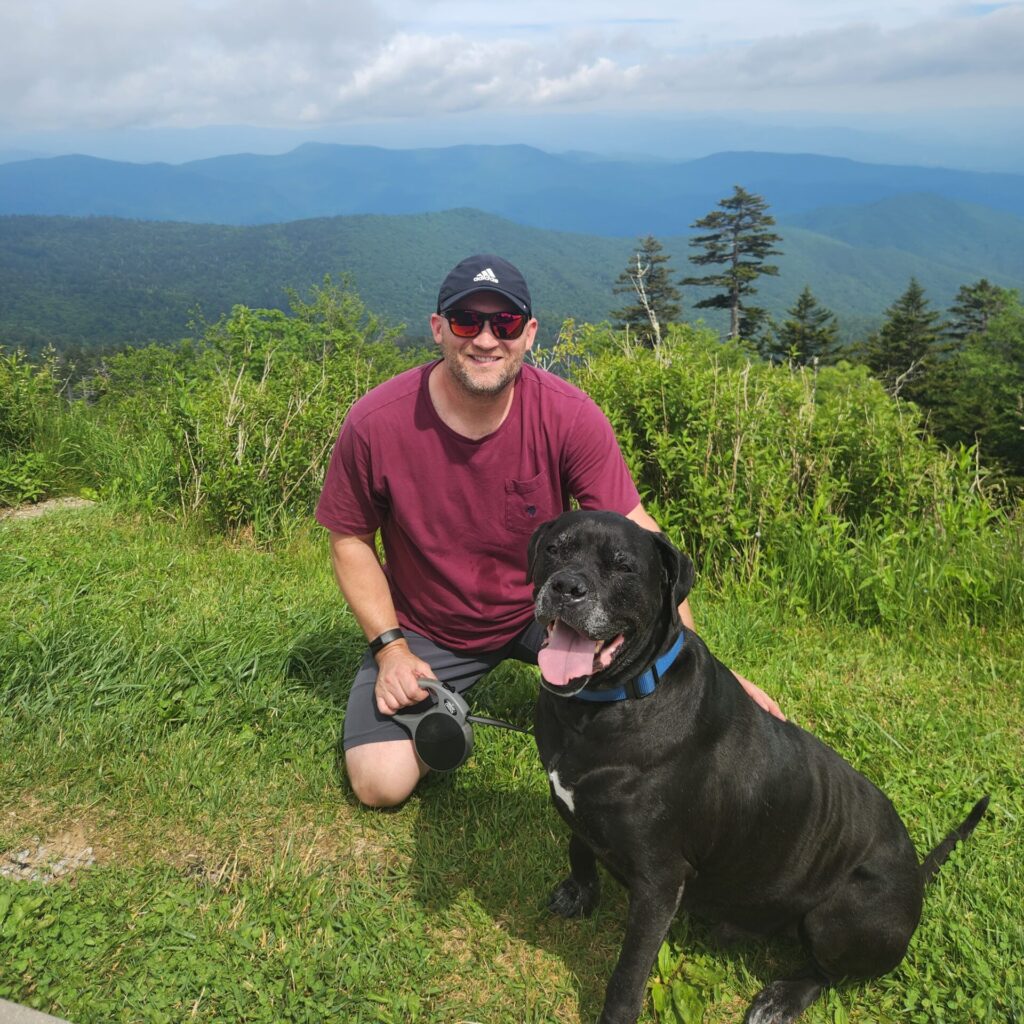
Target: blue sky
{"points": [[115, 65]]}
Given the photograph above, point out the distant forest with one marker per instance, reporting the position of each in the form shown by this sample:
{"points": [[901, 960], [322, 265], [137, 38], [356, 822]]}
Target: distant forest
{"points": [[98, 281]]}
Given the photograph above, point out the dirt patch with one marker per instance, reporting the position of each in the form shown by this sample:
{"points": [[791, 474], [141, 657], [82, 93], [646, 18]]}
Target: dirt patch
{"points": [[43, 844], [48, 860], [46, 845], [44, 507]]}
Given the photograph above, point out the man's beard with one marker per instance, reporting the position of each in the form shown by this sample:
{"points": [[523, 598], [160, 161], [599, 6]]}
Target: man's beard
{"points": [[462, 375]]}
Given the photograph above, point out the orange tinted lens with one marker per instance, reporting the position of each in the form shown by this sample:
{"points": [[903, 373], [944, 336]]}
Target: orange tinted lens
{"points": [[465, 323], [506, 326]]}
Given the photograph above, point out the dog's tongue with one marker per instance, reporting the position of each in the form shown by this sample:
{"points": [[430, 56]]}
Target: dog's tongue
{"points": [[568, 655]]}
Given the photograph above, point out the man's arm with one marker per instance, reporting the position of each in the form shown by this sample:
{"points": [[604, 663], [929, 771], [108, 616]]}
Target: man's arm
{"points": [[756, 694], [365, 588]]}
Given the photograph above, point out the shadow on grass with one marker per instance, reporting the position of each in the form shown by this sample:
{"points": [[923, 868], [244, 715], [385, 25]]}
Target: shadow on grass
{"points": [[508, 848]]}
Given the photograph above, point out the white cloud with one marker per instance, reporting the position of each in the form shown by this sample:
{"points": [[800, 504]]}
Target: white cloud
{"points": [[304, 62], [120, 62]]}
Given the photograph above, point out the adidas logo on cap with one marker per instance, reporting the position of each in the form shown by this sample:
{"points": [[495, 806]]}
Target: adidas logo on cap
{"points": [[486, 275]]}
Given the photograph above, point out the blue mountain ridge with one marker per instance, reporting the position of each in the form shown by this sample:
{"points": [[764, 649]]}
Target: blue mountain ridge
{"points": [[568, 192]]}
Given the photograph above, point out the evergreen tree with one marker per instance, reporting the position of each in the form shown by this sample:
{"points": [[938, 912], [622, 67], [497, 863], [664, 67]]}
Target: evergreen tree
{"points": [[738, 238], [646, 278], [757, 326], [975, 306], [905, 353], [809, 332], [986, 394]]}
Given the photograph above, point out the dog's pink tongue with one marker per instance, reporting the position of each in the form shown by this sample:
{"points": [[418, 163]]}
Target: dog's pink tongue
{"points": [[568, 655]]}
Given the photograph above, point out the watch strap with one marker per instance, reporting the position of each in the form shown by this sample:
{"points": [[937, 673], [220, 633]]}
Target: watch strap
{"points": [[389, 636]]}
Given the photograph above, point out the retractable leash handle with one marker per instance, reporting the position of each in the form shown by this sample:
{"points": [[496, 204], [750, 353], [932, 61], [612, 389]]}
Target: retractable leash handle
{"points": [[443, 733]]}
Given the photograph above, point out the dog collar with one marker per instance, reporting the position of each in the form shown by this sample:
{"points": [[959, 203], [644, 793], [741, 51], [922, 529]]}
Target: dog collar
{"points": [[643, 685]]}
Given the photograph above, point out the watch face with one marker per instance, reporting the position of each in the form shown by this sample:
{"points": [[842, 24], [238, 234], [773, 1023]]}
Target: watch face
{"points": [[386, 638]]}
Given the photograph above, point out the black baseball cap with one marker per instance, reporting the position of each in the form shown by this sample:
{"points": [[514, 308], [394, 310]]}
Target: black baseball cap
{"points": [[484, 273]]}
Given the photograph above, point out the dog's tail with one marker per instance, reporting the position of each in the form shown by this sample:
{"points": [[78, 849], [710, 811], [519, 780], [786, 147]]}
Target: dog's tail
{"points": [[931, 864]]}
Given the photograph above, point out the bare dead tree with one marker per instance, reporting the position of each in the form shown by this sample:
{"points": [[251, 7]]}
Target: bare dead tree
{"points": [[642, 270], [902, 379]]}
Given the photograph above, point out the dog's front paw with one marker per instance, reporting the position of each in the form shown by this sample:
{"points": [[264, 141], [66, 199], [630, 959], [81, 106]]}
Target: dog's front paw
{"points": [[571, 899], [783, 1001]]}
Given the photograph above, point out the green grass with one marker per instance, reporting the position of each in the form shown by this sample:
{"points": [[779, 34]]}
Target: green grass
{"points": [[177, 700]]}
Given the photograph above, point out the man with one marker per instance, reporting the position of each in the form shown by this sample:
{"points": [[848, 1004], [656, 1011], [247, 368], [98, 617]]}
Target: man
{"points": [[455, 463]]}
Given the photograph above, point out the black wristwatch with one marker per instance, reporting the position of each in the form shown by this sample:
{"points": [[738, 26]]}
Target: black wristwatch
{"points": [[389, 636]]}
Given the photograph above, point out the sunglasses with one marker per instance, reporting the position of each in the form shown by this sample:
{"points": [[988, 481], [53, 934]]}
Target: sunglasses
{"points": [[443, 735], [468, 323]]}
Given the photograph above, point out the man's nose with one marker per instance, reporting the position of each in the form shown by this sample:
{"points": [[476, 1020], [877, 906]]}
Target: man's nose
{"points": [[486, 338]]}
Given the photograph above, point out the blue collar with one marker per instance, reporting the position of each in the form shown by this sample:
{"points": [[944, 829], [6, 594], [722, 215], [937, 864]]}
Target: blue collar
{"points": [[643, 685]]}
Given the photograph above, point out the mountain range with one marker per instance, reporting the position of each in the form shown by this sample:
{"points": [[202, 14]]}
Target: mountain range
{"points": [[95, 251], [563, 192]]}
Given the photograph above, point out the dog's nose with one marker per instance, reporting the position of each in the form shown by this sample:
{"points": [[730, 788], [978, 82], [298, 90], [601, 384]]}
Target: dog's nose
{"points": [[569, 586]]}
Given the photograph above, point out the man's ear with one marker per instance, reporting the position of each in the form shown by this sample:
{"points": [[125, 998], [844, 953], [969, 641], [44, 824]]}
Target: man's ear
{"points": [[678, 569], [537, 541], [436, 324]]}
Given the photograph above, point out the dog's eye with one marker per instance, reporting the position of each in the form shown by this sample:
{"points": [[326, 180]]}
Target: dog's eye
{"points": [[552, 549], [623, 564]]}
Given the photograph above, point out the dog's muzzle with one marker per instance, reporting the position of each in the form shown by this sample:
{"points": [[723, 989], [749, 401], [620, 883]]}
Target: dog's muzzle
{"points": [[580, 641]]}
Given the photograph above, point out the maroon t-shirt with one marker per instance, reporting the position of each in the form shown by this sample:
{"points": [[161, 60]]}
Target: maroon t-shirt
{"points": [[455, 515]]}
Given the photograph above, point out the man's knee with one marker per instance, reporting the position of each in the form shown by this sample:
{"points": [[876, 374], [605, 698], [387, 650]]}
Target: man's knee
{"points": [[376, 792], [383, 774]]}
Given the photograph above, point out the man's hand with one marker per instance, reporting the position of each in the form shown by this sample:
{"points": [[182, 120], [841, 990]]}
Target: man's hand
{"points": [[759, 697], [399, 672]]}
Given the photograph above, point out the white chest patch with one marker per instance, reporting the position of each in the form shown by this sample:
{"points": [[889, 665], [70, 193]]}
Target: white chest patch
{"points": [[562, 792]]}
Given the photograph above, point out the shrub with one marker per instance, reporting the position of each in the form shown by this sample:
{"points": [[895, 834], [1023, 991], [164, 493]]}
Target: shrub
{"points": [[27, 400], [245, 430], [817, 483]]}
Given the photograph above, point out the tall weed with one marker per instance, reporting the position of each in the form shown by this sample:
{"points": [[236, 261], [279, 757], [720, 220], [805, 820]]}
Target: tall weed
{"points": [[251, 433], [30, 469]]}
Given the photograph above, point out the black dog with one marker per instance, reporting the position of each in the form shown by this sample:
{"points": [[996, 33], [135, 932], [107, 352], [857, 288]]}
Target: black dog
{"points": [[690, 794]]}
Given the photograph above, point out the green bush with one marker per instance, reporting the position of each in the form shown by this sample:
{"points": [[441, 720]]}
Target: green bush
{"points": [[239, 430], [816, 483], [235, 428], [27, 401]]}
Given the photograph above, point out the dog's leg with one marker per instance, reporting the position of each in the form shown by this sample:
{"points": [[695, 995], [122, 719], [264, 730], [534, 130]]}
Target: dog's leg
{"points": [[652, 905], [578, 894], [784, 1000], [860, 931], [863, 929]]}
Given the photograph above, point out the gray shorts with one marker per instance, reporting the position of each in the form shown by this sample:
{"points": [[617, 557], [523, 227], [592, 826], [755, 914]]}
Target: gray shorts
{"points": [[365, 724]]}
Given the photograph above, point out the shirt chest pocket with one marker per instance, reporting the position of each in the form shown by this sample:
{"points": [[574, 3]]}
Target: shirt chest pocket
{"points": [[528, 503]]}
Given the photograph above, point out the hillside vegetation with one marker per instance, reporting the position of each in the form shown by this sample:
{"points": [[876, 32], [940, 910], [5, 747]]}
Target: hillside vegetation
{"points": [[102, 281], [749, 464]]}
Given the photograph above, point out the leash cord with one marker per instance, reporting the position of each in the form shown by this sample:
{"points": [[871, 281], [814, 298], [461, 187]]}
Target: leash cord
{"points": [[481, 720]]}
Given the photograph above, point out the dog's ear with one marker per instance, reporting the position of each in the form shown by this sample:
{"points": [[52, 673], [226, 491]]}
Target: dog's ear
{"points": [[537, 540], [678, 568]]}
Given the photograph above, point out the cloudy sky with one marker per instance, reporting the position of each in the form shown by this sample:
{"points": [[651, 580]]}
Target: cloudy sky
{"points": [[107, 65]]}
